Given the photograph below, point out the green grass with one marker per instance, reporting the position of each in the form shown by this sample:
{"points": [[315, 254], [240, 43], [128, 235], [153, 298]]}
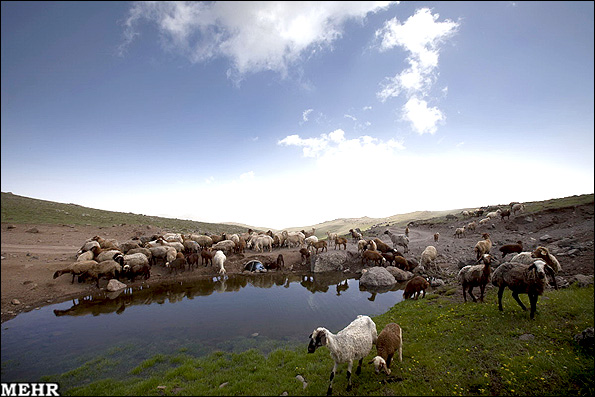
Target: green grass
{"points": [[450, 348], [19, 209]]}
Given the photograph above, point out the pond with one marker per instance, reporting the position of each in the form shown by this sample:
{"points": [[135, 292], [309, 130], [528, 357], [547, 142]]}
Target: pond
{"points": [[263, 311]]}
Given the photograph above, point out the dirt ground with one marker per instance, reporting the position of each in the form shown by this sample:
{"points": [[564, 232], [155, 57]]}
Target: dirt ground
{"points": [[32, 253]]}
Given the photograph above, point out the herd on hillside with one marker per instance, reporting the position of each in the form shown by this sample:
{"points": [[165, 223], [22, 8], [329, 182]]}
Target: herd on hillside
{"points": [[526, 273]]}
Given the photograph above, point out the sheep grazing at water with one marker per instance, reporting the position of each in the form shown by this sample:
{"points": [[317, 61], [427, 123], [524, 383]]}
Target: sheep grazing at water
{"points": [[219, 261], [472, 276], [415, 287], [305, 255], [76, 269], [522, 279], [390, 341], [484, 246], [108, 269], [511, 248], [177, 265], [354, 342], [134, 265]]}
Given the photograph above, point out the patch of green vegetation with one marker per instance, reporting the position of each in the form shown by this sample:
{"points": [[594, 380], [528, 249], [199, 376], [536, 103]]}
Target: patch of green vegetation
{"points": [[449, 348]]}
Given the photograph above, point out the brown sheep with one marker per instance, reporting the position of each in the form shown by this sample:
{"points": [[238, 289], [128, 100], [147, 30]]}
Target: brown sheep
{"points": [[510, 248], [416, 286], [484, 246], [389, 341], [381, 245], [341, 241], [436, 236], [475, 276], [206, 256], [321, 244], [305, 255], [373, 256]]}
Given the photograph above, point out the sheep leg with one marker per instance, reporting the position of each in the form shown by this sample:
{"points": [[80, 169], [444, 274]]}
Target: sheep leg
{"points": [[482, 289], [533, 300], [471, 294], [349, 367], [515, 295], [465, 293], [358, 370], [388, 360], [330, 386], [500, 293]]}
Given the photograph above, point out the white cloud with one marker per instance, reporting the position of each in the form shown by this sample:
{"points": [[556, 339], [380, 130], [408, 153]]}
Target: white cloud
{"points": [[348, 116], [254, 36], [247, 176], [306, 114], [421, 35], [422, 118]]}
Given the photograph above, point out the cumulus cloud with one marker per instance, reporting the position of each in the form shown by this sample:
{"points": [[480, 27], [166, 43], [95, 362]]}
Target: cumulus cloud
{"points": [[254, 36], [306, 114], [421, 36]]}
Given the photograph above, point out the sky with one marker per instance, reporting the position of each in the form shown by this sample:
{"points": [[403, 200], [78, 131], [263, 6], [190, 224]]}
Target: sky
{"points": [[289, 114]]}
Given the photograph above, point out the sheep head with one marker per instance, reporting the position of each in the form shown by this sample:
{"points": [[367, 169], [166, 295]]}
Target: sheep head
{"points": [[317, 339], [379, 365]]}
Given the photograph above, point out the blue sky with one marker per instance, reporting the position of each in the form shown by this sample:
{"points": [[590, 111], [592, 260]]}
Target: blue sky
{"points": [[293, 113]]}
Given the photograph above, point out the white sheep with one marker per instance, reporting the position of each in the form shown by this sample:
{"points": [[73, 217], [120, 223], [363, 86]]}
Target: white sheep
{"points": [[517, 207], [390, 341], [219, 261], [310, 240], [224, 245], [494, 214], [428, 256], [354, 342], [522, 279], [399, 239]]}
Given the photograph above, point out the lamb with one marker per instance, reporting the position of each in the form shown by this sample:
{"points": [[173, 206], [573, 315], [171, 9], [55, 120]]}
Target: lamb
{"points": [[305, 255], [390, 341], [261, 242], [332, 236], [76, 269], [310, 240], [510, 248], [375, 256], [177, 265], [428, 256], [320, 245], [355, 235], [398, 239], [484, 221], [341, 241], [219, 261], [164, 254], [354, 342], [362, 245], [206, 256], [475, 276], [505, 213], [484, 246], [522, 279], [436, 236], [460, 232], [415, 287]]}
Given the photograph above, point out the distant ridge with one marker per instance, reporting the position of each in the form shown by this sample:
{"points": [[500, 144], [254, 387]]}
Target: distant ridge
{"points": [[21, 209]]}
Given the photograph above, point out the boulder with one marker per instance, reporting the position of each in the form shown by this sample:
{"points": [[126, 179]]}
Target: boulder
{"points": [[115, 285], [328, 262], [377, 277], [399, 274]]}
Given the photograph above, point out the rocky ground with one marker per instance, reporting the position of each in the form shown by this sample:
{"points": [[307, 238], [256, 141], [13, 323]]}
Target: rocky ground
{"points": [[32, 253]]}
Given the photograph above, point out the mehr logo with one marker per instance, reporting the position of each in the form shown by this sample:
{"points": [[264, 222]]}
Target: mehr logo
{"points": [[30, 389]]}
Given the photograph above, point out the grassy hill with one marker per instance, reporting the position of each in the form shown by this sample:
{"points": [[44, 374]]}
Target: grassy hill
{"points": [[20, 209]]}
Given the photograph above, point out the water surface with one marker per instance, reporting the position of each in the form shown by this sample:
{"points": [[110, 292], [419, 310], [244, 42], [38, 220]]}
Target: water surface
{"points": [[262, 311]]}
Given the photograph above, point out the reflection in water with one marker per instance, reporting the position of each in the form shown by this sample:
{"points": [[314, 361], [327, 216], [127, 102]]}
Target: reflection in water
{"points": [[198, 317]]}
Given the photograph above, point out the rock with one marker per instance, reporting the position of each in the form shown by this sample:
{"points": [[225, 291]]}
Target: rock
{"points": [[33, 230], [329, 262], [8, 227], [436, 282], [527, 337], [15, 302], [222, 385], [399, 274], [377, 277], [546, 238], [581, 280], [301, 379], [115, 285], [586, 338]]}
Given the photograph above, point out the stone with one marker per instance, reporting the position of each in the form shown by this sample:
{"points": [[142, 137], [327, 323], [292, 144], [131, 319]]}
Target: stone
{"points": [[115, 285], [377, 277]]}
